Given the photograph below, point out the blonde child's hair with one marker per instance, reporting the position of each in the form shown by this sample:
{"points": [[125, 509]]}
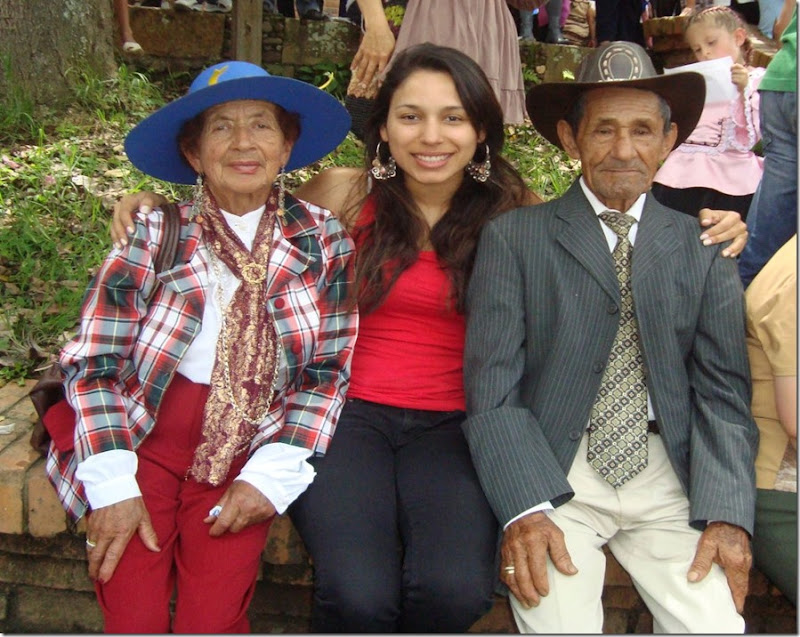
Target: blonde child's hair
{"points": [[725, 18]]}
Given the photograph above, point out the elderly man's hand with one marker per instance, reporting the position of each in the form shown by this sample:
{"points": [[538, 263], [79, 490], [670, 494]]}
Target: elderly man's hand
{"points": [[729, 546], [526, 545], [242, 505]]}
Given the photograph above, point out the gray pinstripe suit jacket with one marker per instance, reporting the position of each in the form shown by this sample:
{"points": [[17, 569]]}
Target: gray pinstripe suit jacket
{"points": [[542, 316]]}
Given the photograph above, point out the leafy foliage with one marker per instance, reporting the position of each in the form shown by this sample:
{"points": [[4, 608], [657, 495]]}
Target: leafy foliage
{"points": [[329, 76], [61, 173]]}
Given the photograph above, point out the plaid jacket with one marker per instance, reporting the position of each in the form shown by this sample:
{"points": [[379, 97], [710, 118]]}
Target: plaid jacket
{"points": [[127, 350]]}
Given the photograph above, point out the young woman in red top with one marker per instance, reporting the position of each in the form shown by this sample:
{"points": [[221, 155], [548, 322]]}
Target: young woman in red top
{"points": [[400, 533]]}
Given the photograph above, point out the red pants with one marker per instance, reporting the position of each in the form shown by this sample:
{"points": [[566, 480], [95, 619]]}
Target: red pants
{"points": [[215, 577]]}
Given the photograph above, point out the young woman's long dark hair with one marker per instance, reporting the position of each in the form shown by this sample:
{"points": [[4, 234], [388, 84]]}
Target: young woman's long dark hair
{"points": [[391, 243]]}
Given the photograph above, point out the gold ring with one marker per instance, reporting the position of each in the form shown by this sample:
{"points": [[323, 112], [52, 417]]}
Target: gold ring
{"points": [[90, 544]]}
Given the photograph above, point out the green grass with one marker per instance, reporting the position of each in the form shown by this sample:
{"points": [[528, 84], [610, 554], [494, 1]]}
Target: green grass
{"points": [[60, 174]]}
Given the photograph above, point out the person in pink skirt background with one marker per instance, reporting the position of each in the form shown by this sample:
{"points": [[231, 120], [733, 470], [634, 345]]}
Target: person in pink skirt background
{"points": [[716, 166], [483, 29]]}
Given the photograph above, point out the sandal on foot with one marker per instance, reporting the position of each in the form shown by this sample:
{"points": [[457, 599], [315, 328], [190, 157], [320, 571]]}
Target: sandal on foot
{"points": [[132, 47]]}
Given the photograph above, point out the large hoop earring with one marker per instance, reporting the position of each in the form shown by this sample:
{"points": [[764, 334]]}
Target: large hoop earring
{"points": [[381, 171], [480, 170]]}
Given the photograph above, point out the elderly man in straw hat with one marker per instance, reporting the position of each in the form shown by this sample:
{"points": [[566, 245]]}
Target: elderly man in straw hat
{"points": [[607, 375]]}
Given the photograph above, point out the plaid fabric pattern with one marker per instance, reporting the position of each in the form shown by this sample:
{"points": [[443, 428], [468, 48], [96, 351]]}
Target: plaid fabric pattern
{"points": [[126, 352]]}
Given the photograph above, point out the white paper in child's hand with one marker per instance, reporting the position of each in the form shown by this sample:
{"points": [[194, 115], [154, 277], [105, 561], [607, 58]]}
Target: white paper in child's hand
{"points": [[717, 73]]}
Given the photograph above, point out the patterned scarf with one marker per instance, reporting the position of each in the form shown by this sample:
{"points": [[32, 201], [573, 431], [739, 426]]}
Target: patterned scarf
{"points": [[247, 355]]}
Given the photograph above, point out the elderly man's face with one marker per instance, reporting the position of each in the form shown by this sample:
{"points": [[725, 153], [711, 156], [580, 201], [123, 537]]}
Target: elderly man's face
{"points": [[620, 143]]}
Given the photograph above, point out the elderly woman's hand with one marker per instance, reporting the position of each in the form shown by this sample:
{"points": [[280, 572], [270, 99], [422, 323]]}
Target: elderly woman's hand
{"points": [[723, 225], [110, 528], [122, 221], [242, 505]]}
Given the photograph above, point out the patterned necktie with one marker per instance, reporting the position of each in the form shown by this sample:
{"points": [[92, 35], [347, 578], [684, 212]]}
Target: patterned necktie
{"points": [[618, 425]]}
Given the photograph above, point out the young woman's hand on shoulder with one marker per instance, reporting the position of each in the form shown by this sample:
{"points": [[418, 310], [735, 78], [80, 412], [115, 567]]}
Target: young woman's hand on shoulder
{"points": [[723, 225], [122, 221]]}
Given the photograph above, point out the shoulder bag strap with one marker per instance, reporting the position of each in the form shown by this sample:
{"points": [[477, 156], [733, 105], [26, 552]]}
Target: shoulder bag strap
{"points": [[168, 250]]}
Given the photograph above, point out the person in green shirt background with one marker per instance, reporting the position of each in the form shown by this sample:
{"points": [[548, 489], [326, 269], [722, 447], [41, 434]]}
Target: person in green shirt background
{"points": [[772, 218]]}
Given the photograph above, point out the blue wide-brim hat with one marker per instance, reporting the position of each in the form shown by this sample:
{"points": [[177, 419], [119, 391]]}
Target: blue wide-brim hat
{"points": [[152, 146]]}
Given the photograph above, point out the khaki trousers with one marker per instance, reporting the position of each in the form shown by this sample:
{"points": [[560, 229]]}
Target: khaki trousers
{"points": [[645, 524]]}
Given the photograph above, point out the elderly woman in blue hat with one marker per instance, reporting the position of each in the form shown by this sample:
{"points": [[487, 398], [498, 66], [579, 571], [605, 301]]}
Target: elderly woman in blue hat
{"points": [[202, 391]]}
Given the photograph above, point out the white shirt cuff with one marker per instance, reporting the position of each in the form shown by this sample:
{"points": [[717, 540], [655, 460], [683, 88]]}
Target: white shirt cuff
{"points": [[544, 506], [280, 471], [109, 477]]}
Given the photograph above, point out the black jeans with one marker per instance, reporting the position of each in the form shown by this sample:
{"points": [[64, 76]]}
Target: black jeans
{"points": [[400, 532], [619, 20]]}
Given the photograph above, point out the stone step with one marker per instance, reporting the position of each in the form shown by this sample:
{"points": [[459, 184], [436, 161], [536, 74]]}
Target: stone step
{"points": [[182, 40]]}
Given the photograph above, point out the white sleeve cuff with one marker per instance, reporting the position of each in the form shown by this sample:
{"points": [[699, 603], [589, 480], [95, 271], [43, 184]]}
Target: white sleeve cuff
{"points": [[280, 471], [109, 477], [544, 506]]}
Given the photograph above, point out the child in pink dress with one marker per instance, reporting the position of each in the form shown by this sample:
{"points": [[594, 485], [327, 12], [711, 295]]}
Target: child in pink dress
{"points": [[716, 166]]}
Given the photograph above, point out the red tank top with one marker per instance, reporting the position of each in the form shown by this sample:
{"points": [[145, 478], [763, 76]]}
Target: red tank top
{"points": [[409, 351]]}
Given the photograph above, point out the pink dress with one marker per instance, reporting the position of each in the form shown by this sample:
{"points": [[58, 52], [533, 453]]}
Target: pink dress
{"points": [[484, 30], [718, 154]]}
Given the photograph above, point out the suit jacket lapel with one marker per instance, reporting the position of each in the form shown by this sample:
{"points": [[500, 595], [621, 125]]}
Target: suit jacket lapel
{"points": [[656, 239], [582, 236]]}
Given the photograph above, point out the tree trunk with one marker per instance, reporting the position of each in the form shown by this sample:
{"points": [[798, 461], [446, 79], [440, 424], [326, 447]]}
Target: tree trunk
{"points": [[46, 46]]}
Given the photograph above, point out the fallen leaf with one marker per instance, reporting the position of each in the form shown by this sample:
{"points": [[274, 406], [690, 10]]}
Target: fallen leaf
{"points": [[10, 162]]}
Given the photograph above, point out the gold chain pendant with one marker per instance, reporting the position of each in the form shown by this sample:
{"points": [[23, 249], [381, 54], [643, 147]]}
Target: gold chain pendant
{"points": [[254, 273]]}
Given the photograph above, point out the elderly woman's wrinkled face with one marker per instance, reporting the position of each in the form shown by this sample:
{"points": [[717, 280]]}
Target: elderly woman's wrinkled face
{"points": [[240, 151]]}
